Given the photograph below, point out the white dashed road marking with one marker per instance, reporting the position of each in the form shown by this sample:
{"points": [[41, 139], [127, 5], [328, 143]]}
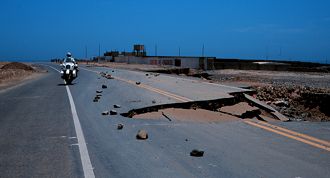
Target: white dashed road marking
{"points": [[84, 156]]}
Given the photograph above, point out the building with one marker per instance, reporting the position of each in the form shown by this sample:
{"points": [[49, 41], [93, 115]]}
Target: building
{"points": [[205, 63], [139, 56]]}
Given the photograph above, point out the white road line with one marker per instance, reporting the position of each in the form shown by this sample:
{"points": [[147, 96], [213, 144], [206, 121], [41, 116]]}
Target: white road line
{"points": [[84, 156], [85, 160]]}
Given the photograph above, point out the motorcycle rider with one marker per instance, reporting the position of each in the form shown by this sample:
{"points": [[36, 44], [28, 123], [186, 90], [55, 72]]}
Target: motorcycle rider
{"points": [[69, 58]]}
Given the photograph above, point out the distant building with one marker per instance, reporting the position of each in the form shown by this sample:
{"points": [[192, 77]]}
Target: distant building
{"points": [[139, 56], [205, 63]]}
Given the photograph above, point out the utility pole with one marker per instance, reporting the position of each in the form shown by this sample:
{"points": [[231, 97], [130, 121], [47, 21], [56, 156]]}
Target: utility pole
{"points": [[203, 50], [85, 52], [156, 50], [99, 49], [326, 60], [267, 52]]}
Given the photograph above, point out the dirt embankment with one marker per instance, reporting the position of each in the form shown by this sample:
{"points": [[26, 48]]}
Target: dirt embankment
{"points": [[12, 73], [297, 102], [297, 95]]}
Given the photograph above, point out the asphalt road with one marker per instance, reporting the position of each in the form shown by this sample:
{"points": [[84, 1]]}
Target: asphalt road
{"points": [[39, 137]]}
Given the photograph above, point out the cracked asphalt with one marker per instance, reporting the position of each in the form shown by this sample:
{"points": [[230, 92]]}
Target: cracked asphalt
{"points": [[38, 137]]}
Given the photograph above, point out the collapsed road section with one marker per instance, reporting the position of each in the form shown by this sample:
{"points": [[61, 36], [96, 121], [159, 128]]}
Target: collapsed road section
{"points": [[239, 106]]}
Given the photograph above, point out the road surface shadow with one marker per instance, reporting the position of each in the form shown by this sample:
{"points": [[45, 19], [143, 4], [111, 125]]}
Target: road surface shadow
{"points": [[62, 84]]}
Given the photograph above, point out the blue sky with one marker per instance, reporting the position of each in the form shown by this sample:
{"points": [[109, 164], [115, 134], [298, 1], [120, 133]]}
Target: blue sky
{"points": [[282, 29]]}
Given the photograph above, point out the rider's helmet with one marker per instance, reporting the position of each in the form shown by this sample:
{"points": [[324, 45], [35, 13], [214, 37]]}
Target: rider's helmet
{"points": [[68, 54]]}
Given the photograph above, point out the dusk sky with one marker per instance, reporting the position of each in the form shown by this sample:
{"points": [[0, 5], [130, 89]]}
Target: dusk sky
{"points": [[248, 29]]}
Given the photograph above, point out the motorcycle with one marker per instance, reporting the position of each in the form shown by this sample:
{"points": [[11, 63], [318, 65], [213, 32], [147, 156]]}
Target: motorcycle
{"points": [[69, 71]]}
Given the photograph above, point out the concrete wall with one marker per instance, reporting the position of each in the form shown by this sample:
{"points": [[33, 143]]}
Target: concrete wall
{"points": [[186, 62], [190, 63]]}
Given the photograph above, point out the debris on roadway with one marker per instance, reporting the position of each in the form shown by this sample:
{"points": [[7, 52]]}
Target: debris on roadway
{"points": [[142, 135], [197, 153], [138, 83], [99, 91], [168, 118], [104, 86], [120, 126], [108, 76], [116, 106], [104, 113], [113, 112]]}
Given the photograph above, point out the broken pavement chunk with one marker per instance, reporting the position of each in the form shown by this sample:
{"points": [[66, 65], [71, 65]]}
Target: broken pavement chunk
{"points": [[142, 135], [138, 83], [104, 86], [197, 153], [281, 103], [120, 126], [116, 106], [113, 112], [104, 113], [108, 76], [242, 110]]}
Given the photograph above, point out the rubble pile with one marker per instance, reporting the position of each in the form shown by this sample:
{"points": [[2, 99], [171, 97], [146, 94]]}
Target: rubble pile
{"points": [[106, 75], [297, 102]]}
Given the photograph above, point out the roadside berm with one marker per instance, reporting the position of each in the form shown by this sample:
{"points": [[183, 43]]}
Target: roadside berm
{"points": [[12, 73]]}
